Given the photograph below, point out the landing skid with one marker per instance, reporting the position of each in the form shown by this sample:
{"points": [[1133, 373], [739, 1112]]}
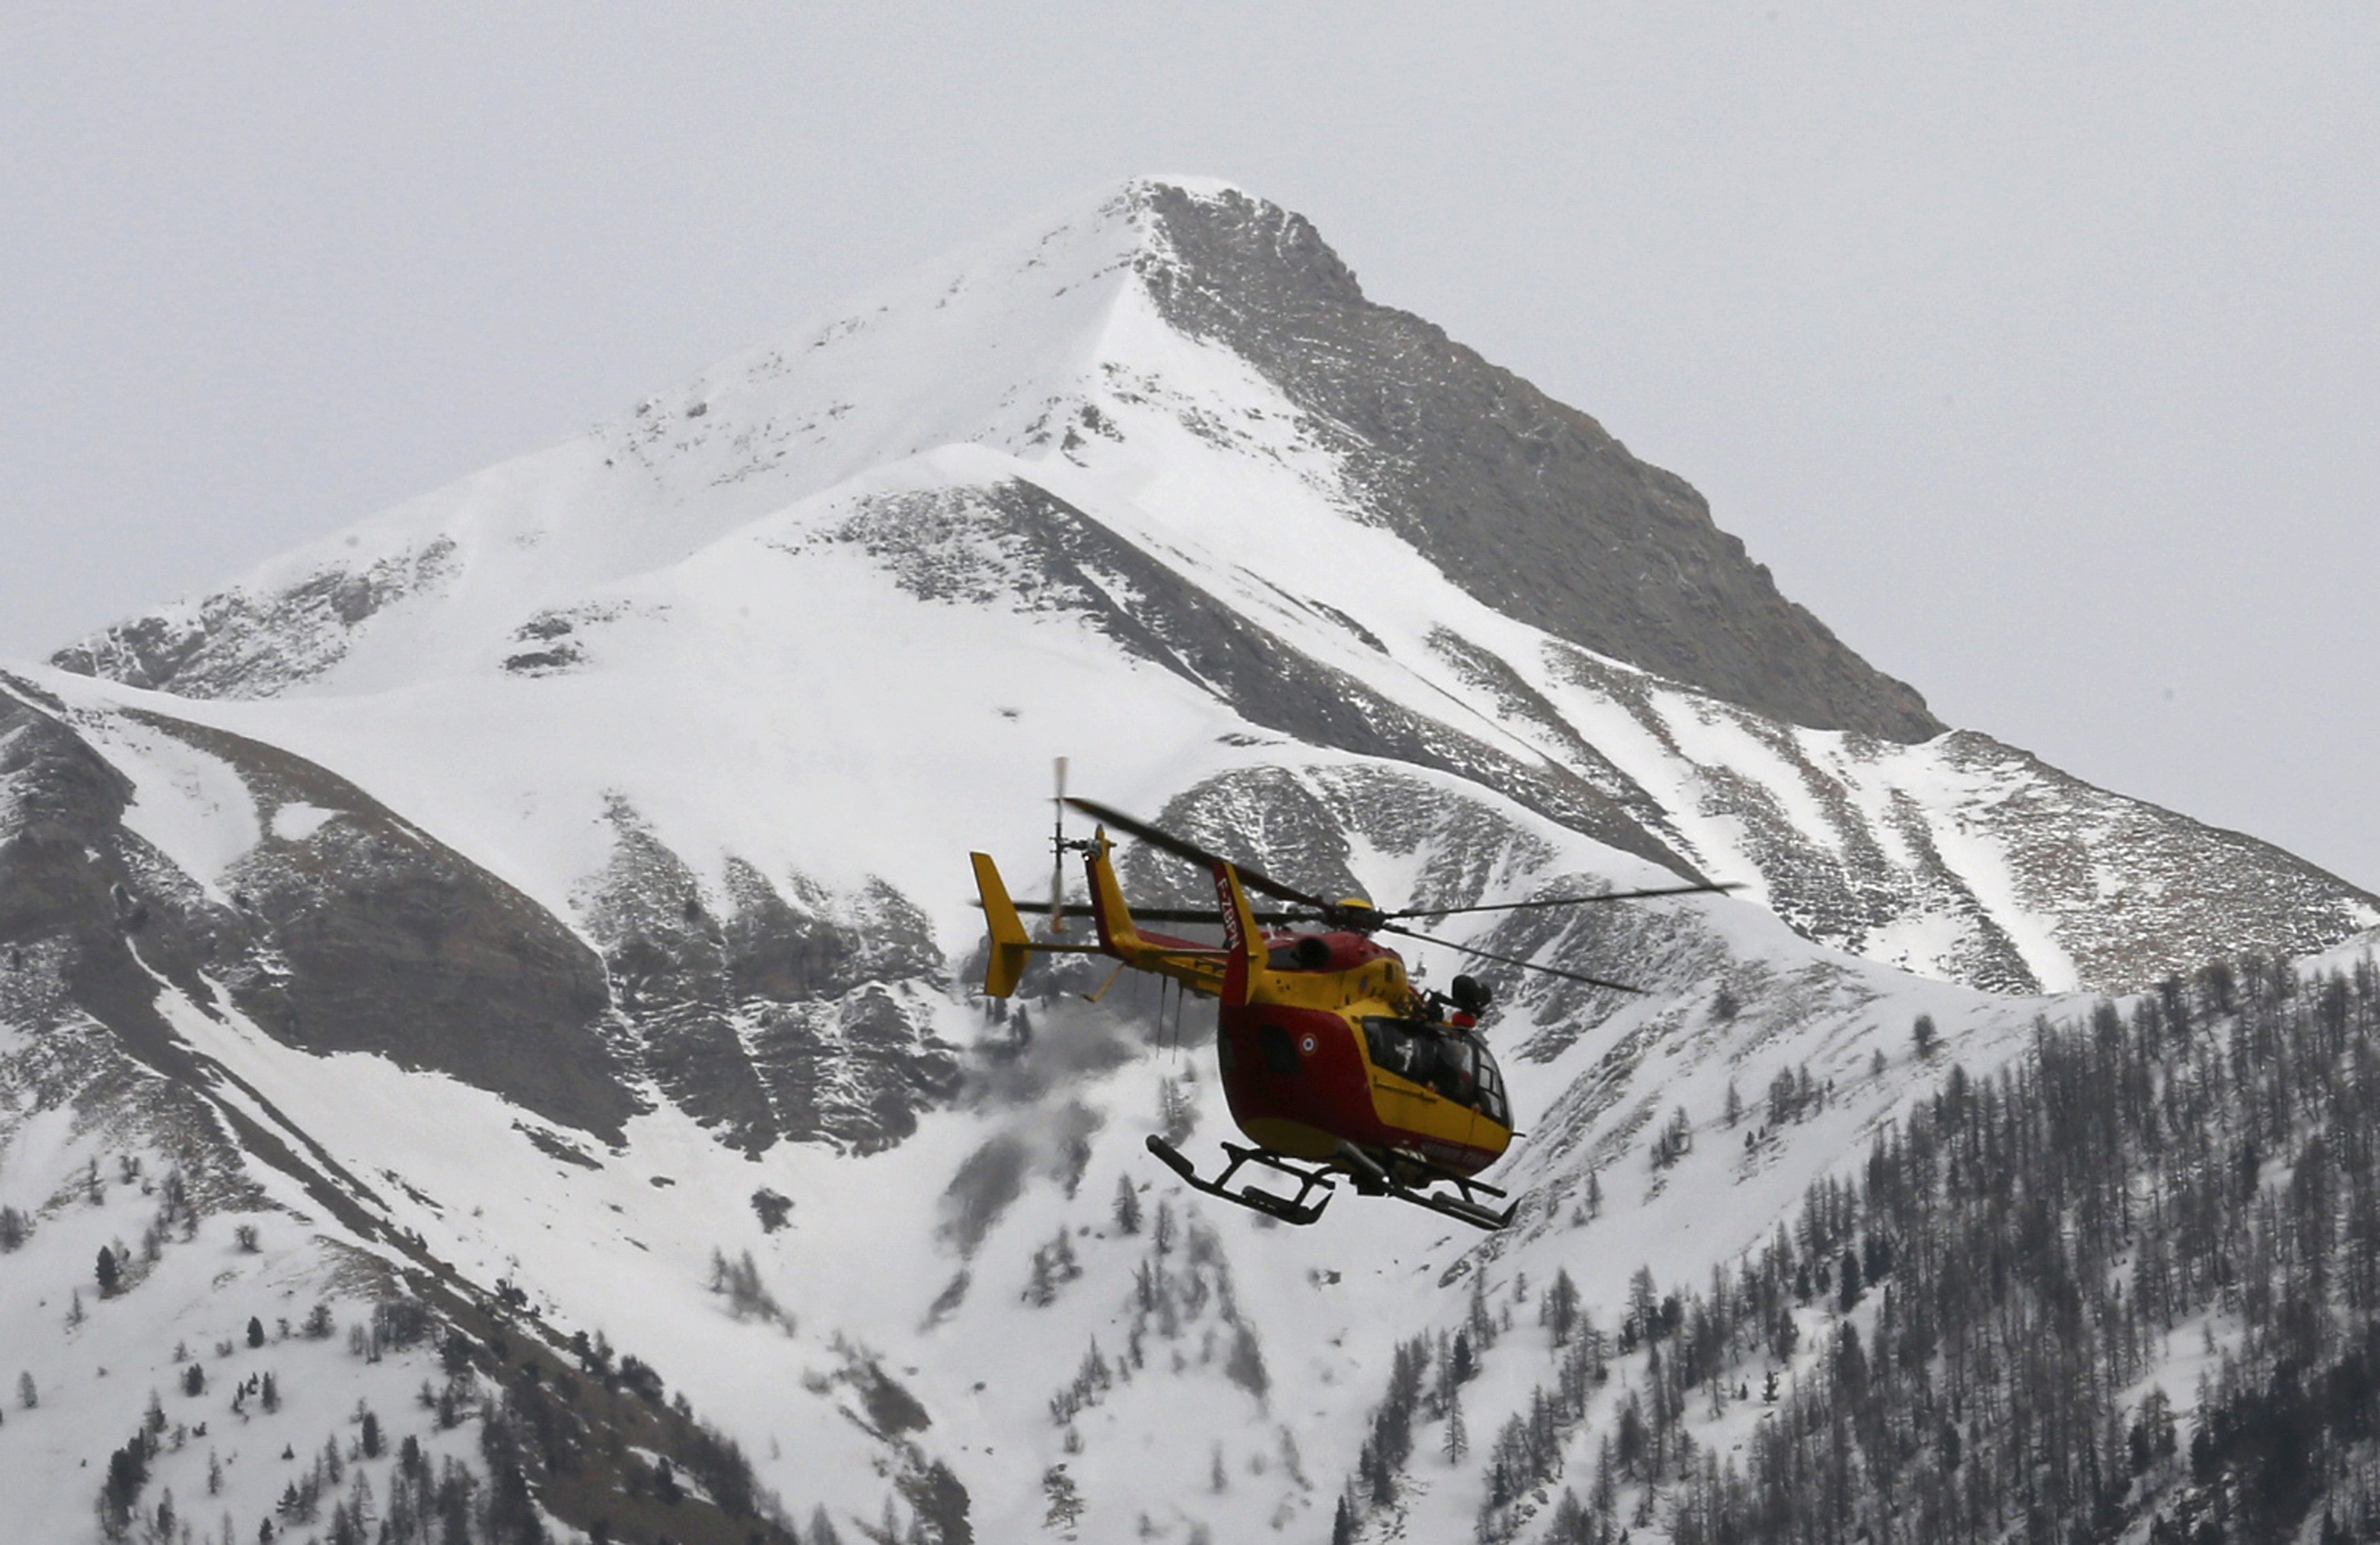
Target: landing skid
{"points": [[1375, 1180], [1289, 1209], [1371, 1180]]}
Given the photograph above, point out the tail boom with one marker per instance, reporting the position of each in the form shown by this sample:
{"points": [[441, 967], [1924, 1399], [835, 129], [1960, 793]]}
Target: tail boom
{"points": [[1196, 965]]}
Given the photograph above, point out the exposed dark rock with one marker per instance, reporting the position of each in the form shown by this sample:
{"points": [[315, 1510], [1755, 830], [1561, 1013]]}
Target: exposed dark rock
{"points": [[777, 1019], [1528, 505], [1295, 826], [795, 950], [554, 1147], [2147, 893], [1998, 872], [1515, 701], [239, 644], [543, 661], [1265, 817], [1465, 846], [855, 1071], [61, 867], [1053, 557], [66, 860], [365, 934], [393, 942], [668, 968]]}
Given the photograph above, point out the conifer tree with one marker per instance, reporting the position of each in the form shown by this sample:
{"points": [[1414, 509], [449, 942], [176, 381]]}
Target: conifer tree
{"points": [[1558, 1310], [1065, 1502]]}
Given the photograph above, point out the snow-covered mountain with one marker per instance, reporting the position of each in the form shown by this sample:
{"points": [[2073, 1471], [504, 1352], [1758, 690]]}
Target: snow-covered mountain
{"points": [[542, 902], [1171, 429]]}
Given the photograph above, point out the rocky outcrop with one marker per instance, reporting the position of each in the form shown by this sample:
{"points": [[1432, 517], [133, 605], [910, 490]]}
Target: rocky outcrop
{"points": [[1527, 503], [1051, 556], [251, 644], [344, 929], [768, 1016], [1964, 858], [765, 1014]]}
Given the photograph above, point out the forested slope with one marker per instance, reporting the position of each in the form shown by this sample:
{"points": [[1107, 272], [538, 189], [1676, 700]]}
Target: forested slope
{"points": [[2173, 1204]]}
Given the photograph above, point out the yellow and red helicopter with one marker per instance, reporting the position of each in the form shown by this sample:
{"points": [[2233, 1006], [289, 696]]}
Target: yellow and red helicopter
{"points": [[1333, 1062]]}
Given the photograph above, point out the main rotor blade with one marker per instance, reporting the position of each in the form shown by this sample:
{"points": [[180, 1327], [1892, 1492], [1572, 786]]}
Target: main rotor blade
{"points": [[1173, 914], [1561, 901], [1510, 960], [1167, 842]]}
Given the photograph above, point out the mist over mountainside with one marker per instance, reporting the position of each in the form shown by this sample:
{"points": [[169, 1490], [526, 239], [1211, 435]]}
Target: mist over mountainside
{"points": [[539, 911]]}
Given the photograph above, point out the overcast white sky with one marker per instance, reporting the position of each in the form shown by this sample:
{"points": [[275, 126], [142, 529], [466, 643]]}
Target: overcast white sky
{"points": [[2039, 354]]}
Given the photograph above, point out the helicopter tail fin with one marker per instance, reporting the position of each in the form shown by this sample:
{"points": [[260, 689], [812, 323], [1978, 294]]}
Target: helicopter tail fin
{"points": [[1118, 934], [1011, 945], [1245, 967]]}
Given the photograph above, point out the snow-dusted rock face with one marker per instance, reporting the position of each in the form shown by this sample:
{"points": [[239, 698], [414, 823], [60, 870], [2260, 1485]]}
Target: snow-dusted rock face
{"points": [[1528, 505], [541, 911], [238, 643], [788, 1017], [337, 927], [1960, 857], [1173, 420]]}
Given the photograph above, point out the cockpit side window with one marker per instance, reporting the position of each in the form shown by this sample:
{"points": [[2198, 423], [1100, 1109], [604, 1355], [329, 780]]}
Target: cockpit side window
{"points": [[1457, 1077], [1395, 1048]]}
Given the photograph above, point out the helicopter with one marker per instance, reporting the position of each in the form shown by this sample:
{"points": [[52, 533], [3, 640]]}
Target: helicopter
{"points": [[1334, 1064]]}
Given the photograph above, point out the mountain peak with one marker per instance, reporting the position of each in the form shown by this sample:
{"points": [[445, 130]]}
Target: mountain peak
{"points": [[1202, 188], [1525, 504]]}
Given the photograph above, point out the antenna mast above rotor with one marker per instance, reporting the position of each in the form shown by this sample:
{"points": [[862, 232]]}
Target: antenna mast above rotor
{"points": [[1058, 853]]}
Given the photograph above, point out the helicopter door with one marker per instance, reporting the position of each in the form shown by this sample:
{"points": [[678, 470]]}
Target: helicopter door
{"points": [[1405, 1100], [1436, 1091], [1458, 1082]]}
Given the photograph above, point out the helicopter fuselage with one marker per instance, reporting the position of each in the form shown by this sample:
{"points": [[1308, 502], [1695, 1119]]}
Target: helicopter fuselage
{"points": [[1330, 1057], [1337, 1053]]}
